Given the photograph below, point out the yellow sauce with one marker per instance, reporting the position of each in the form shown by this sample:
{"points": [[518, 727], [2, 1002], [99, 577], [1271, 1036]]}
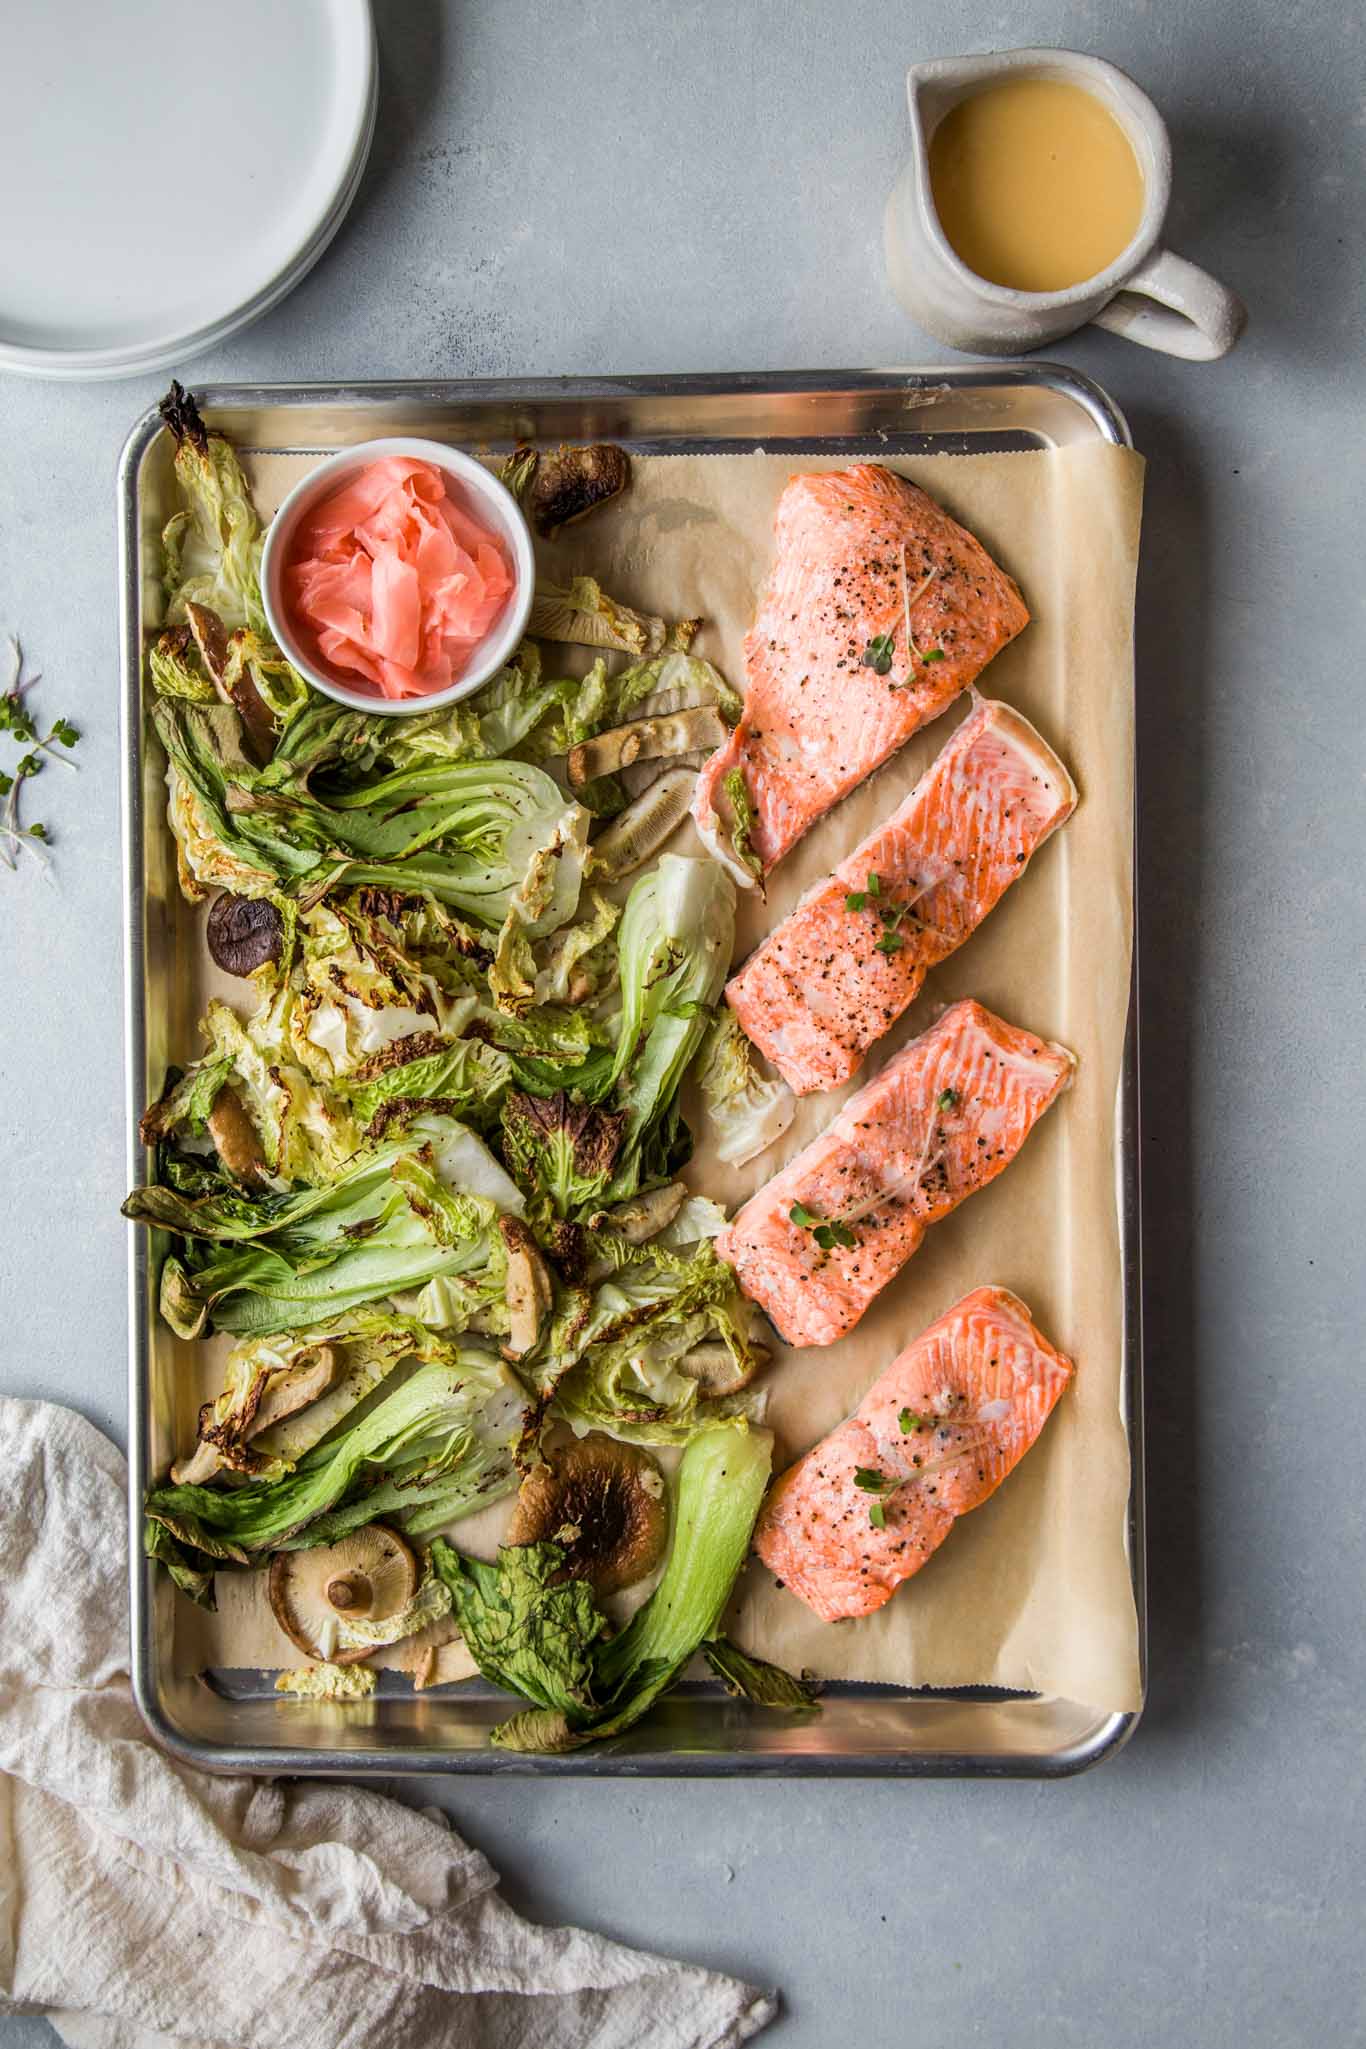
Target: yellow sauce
{"points": [[1035, 183]]}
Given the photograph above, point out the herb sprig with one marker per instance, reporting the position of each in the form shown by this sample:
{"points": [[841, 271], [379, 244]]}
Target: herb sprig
{"points": [[827, 1232], [893, 915], [17, 720], [878, 654], [871, 1481], [914, 653]]}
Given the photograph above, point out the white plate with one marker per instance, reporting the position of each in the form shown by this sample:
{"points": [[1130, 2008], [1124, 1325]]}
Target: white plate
{"points": [[172, 170]]}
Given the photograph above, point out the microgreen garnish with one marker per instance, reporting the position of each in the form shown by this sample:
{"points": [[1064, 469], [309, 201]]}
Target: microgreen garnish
{"points": [[877, 656], [891, 914], [914, 654], [17, 720], [826, 1234], [874, 1482], [908, 1421], [948, 1099], [877, 1516]]}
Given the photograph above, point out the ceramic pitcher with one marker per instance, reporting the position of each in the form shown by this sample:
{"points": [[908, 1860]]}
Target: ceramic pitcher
{"points": [[1147, 293]]}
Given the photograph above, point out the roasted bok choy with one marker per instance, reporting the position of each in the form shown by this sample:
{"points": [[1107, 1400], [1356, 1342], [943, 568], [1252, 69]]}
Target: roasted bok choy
{"points": [[537, 1632], [435, 1449]]}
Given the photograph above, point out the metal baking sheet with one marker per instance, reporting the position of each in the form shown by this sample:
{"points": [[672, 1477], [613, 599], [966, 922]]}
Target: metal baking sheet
{"points": [[235, 1721]]}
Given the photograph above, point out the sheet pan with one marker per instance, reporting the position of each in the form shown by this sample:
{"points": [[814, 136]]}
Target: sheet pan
{"points": [[233, 1719]]}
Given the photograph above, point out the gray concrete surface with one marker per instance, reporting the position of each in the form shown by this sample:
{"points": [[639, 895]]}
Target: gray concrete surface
{"points": [[615, 187]]}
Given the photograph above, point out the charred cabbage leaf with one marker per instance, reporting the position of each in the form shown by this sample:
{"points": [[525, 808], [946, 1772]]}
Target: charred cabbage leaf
{"points": [[746, 1112], [499, 721], [211, 562], [307, 1135], [615, 1356], [527, 1626], [561, 1150], [452, 1077], [742, 822], [211, 546], [582, 612], [363, 1350], [755, 1679]]}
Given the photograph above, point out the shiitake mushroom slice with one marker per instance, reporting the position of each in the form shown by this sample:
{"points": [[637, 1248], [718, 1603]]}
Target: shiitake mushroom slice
{"points": [[572, 483], [642, 828], [235, 1137], [369, 1575], [643, 1216], [215, 650], [696, 729], [527, 1289], [605, 1504], [244, 932], [717, 1371]]}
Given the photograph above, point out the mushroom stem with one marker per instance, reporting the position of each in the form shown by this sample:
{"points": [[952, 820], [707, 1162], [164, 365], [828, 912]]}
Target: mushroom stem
{"points": [[349, 1592]]}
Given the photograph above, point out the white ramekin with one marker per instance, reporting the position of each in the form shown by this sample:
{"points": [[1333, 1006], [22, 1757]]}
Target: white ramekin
{"points": [[495, 504]]}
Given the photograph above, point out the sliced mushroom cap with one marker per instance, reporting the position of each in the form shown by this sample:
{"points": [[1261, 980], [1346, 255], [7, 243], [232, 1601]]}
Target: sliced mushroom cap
{"points": [[286, 1391], [639, 1219], [235, 1136], [700, 729], [244, 932], [716, 1369], [211, 638], [368, 1576], [604, 1503], [527, 1290], [238, 690], [292, 1389], [572, 483], [642, 828]]}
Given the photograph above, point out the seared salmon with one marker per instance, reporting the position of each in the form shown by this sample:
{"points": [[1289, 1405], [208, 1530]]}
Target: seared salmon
{"points": [[932, 1438], [839, 971], [878, 610], [941, 1120]]}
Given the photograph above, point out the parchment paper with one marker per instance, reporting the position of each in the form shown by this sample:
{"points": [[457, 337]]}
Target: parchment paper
{"points": [[1032, 1590]]}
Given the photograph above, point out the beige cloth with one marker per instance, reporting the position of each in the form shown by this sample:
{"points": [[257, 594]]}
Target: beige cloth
{"points": [[144, 1903]]}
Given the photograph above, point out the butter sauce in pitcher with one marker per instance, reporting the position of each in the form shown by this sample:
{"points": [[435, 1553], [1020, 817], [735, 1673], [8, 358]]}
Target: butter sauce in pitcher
{"points": [[1035, 183]]}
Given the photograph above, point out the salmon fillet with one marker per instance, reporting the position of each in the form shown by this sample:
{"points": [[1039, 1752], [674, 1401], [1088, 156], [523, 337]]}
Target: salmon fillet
{"points": [[833, 977], [854, 551], [933, 1438], [941, 1120]]}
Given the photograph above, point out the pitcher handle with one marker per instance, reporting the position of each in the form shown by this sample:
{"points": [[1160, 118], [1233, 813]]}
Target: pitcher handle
{"points": [[1204, 319]]}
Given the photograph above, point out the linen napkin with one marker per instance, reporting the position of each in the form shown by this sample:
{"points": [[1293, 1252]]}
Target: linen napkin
{"points": [[143, 1903]]}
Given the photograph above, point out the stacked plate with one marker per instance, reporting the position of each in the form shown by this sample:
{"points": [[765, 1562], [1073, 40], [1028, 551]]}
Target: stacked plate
{"points": [[171, 170]]}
